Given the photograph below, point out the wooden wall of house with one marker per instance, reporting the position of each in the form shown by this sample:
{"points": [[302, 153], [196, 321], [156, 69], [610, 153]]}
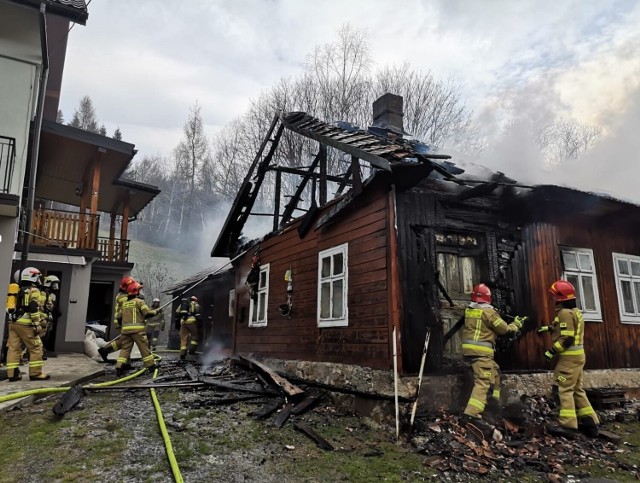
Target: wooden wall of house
{"points": [[610, 343], [366, 340]]}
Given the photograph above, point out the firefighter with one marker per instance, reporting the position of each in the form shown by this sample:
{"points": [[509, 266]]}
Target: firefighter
{"points": [[189, 315], [154, 325], [26, 329], [48, 302], [482, 325], [567, 334], [116, 344], [132, 330]]}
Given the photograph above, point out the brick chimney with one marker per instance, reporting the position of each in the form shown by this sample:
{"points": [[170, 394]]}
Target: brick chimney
{"points": [[387, 113]]}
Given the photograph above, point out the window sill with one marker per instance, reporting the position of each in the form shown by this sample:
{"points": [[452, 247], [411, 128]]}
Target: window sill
{"points": [[333, 323], [257, 325]]}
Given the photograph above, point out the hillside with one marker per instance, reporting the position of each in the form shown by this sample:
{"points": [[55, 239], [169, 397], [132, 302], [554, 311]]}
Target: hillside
{"points": [[180, 265]]}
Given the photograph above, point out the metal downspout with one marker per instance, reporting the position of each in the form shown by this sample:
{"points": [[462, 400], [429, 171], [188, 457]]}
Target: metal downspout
{"points": [[35, 140]]}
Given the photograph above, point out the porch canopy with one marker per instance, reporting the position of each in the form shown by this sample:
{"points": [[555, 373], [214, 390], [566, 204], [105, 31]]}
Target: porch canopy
{"points": [[73, 164]]}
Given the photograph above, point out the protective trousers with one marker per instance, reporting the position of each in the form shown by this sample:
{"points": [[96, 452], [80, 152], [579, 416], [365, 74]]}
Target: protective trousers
{"points": [[140, 339], [18, 334], [186, 330], [485, 374], [574, 403]]}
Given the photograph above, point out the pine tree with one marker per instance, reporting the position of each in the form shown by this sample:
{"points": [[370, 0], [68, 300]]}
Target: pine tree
{"points": [[84, 117], [60, 117], [117, 134]]}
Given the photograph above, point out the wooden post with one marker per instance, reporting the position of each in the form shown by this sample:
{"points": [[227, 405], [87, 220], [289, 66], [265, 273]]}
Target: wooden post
{"points": [[82, 223], [276, 209], [355, 175], [323, 174], [125, 225], [112, 234], [395, 383], [92, 232]]}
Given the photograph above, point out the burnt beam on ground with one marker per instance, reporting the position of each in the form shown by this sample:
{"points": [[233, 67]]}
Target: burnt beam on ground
{"points": [[320, 441], [289, 389]]}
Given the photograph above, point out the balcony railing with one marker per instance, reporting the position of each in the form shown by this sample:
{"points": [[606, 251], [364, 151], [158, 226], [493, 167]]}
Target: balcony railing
{"points": [[7, 161], [66, 229], [113, 249]]}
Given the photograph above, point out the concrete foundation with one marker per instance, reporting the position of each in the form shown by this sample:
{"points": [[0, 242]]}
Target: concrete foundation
{"points": [[438, 392]]}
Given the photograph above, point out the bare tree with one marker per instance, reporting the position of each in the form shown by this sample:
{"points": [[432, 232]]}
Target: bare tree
{"points": [[155, 277], [191, 154], [566, 139]]}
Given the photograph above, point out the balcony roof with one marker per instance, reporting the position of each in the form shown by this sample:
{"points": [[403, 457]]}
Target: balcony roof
{"points": [[65, 156]]}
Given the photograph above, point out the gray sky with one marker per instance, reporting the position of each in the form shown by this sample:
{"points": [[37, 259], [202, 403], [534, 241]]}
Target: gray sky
{"points": [[145, 62]]}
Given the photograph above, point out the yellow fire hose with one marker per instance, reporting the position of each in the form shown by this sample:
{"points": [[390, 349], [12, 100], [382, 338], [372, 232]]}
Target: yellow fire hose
{"points": [[165, 435], [163, 427]]}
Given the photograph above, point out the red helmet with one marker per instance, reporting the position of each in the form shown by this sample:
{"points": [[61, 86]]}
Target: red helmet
{"points": [[481, 293], [125, 282], [562, 291], [134, 288]]}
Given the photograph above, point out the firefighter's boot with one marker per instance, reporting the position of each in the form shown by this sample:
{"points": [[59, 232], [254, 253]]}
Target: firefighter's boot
{"points": [[16, 376], [152, 368], [104, 352], [120, 371], [493, 410], [562, 431], [588, 427], [40, 377], [127, 367]]}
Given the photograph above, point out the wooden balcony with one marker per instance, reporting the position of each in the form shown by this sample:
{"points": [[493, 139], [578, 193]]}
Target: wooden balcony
{"points": [[113, 249], [56, 228]]}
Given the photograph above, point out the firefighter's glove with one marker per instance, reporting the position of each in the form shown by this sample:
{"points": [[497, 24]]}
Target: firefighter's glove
{"points": [[519, 322], [544, 328], [550, 354], [38, 330]]}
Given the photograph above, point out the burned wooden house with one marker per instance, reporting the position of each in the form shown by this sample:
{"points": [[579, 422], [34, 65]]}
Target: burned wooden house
{"points": [[399, 251]]}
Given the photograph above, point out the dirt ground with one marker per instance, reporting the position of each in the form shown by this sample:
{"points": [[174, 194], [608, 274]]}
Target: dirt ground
{"points": [[113, 436]]}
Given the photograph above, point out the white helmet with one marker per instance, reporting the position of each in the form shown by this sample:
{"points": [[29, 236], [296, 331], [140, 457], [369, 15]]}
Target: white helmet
{"points": [[52, 281], [155, 302], [31, 274], [16, 276]]}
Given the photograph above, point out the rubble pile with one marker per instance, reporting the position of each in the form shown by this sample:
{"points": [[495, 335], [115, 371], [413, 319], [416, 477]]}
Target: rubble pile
{"points": [[517, 443]]}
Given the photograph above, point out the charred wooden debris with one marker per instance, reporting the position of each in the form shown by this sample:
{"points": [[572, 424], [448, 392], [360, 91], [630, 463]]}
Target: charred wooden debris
{"points": [[515, 440], [518, 441]]}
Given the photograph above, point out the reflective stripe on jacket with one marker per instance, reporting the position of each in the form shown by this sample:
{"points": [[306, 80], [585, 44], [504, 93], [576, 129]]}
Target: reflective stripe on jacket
{"points": [[134, 311], [482, 325], [117, 312], [568, 332]]}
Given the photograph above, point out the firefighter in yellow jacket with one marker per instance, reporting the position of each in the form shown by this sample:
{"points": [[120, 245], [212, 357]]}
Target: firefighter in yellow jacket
{"points": [[134, 311], [189, 314], [567, 334], [116, 344], [482, 326], [27, 329]]}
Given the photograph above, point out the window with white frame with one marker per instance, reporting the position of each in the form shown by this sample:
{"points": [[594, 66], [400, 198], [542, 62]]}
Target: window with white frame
{"points": [[258, 307], [580, 270], [332, 287], [627, 270]]}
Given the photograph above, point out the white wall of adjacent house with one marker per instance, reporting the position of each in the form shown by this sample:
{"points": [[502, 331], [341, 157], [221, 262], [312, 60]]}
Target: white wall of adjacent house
{"points": [[20, 64]]}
